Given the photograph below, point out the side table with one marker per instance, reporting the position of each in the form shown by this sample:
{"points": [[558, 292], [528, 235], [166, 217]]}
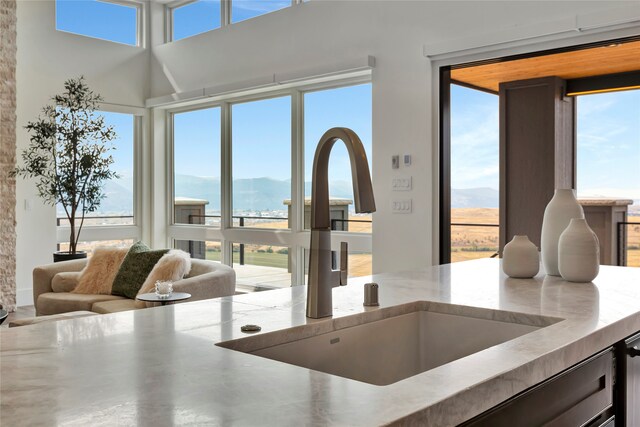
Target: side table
{"points": [[152, 297]]}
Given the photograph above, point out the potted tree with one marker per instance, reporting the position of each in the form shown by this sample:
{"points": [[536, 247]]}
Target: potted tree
{"points": [[68, 154]]}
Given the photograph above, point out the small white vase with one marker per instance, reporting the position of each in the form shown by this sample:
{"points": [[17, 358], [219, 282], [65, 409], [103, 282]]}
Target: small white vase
{"points": [[578, 252], [561, 209], [520, 258]]}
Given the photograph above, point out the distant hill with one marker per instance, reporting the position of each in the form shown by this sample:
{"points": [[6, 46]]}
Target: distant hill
{"points": [[263, 194], [475, 198], [118, 200], [259, 194]]}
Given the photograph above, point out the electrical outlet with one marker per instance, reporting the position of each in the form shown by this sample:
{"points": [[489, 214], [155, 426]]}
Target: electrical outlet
{"points": [[401, 206]]}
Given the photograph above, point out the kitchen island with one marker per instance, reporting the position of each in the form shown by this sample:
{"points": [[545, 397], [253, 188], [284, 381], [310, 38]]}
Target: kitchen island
{"points": [[160, 366]]}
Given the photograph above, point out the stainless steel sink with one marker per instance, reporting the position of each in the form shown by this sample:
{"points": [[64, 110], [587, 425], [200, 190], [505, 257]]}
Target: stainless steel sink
{"points": [[387, 345]]}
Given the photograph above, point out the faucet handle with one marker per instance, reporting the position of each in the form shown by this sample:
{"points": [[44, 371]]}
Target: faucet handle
{"points": [[344, 263]]}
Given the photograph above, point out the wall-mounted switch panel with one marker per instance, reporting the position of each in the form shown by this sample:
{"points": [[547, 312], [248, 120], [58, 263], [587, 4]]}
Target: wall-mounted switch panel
{"points": [[401, 184], [407, 159], [401, 206], [395, 161]]}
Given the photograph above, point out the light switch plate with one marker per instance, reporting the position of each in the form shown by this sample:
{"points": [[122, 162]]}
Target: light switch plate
{"points": [[401, 184], [395, 161], [401, 206], [407, 159]]}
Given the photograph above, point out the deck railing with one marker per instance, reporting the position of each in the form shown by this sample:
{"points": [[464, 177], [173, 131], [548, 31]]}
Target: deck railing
{"points": [[87, 218], [241, 220]]}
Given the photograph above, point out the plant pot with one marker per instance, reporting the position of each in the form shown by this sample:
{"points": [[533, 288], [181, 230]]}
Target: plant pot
{"points": [[66, 256]]}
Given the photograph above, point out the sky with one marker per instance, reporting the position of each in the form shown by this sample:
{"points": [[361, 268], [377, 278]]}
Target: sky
{"points": [[117, 22], [261, 134], [608, 142], [608, 128]]}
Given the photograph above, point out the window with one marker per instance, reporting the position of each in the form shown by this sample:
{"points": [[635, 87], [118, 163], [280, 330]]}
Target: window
{"points": [[234, 173], [261, 146], [608, 155], [246, 9], [474, 174], [344, 107], [195, 18], [117, 206], [211, 250], [116, 22], [196, 167], [261, 267]]}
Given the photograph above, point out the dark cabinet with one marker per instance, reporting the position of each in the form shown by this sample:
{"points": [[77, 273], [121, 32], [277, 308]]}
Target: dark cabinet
{"points": [[628, 382], [581, 395]]}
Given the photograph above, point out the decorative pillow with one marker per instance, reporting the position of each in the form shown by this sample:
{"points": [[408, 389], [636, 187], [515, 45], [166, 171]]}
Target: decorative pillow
{"points": [[134, 270], [173, 266], [65, 281], [97, 276]]}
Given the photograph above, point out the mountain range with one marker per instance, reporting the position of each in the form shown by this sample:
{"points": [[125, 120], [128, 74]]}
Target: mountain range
{"points": [[266, 194]]}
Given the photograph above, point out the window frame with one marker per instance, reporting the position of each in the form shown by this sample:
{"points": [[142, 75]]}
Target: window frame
{"points": [[442, 68], [138, 5], [124, 231], [225, 15], [296, 238]]}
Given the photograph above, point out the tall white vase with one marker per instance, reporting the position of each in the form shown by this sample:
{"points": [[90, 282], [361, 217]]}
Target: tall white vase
{"points": [[561, 209], [520, 258], [578, 252]]}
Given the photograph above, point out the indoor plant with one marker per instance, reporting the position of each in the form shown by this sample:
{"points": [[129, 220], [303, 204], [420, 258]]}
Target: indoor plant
{"points": [[69, 156]]}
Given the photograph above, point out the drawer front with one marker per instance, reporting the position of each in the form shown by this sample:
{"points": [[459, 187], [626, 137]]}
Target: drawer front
{"points": [[571, 398], [632, 380]]}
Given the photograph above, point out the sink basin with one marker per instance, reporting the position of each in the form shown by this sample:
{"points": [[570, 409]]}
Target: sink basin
{"points": [[388, 345]]}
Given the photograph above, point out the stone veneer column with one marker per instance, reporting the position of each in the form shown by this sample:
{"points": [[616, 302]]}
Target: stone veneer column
{"points": [[7, 153]]}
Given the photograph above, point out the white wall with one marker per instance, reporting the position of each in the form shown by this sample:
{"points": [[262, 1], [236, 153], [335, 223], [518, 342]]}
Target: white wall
{"points": [[46, 58], [317, 33], [304, 37]]}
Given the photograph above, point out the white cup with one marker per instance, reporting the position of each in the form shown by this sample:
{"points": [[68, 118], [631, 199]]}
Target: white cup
{"points": [[164, 289]]}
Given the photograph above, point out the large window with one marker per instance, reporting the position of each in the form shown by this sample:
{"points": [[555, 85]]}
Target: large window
{"points": [[249, 155], [261, 151], [196, 165], [116, 221], [474, 174], [608, 156], [102, 19], [117, 208], [195, 18], [342, 107]]}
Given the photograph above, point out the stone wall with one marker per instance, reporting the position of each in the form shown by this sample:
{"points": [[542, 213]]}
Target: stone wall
{"points": [[7, 153]]}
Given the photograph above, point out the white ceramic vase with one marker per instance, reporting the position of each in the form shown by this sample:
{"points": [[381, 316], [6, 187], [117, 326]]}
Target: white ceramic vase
{"points": [[520, 258], [578, 252], [562, 208]]}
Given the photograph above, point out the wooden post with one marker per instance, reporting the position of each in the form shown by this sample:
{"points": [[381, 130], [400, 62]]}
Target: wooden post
{"points": [[537, 152]]}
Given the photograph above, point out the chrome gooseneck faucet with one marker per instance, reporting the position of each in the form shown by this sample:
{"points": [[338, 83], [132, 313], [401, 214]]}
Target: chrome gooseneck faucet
{"points": [[322, 278]]}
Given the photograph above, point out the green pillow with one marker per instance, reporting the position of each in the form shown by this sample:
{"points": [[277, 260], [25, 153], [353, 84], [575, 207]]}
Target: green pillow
{"points": [[135, 268]]}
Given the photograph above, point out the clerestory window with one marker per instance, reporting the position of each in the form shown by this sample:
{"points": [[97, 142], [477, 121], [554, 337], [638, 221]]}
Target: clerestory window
{"points": [[187, 18], [102, 19], [192, 18]]}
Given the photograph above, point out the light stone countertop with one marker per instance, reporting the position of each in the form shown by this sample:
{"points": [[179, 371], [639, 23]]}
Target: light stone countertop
{"points": [[161, 367]]}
